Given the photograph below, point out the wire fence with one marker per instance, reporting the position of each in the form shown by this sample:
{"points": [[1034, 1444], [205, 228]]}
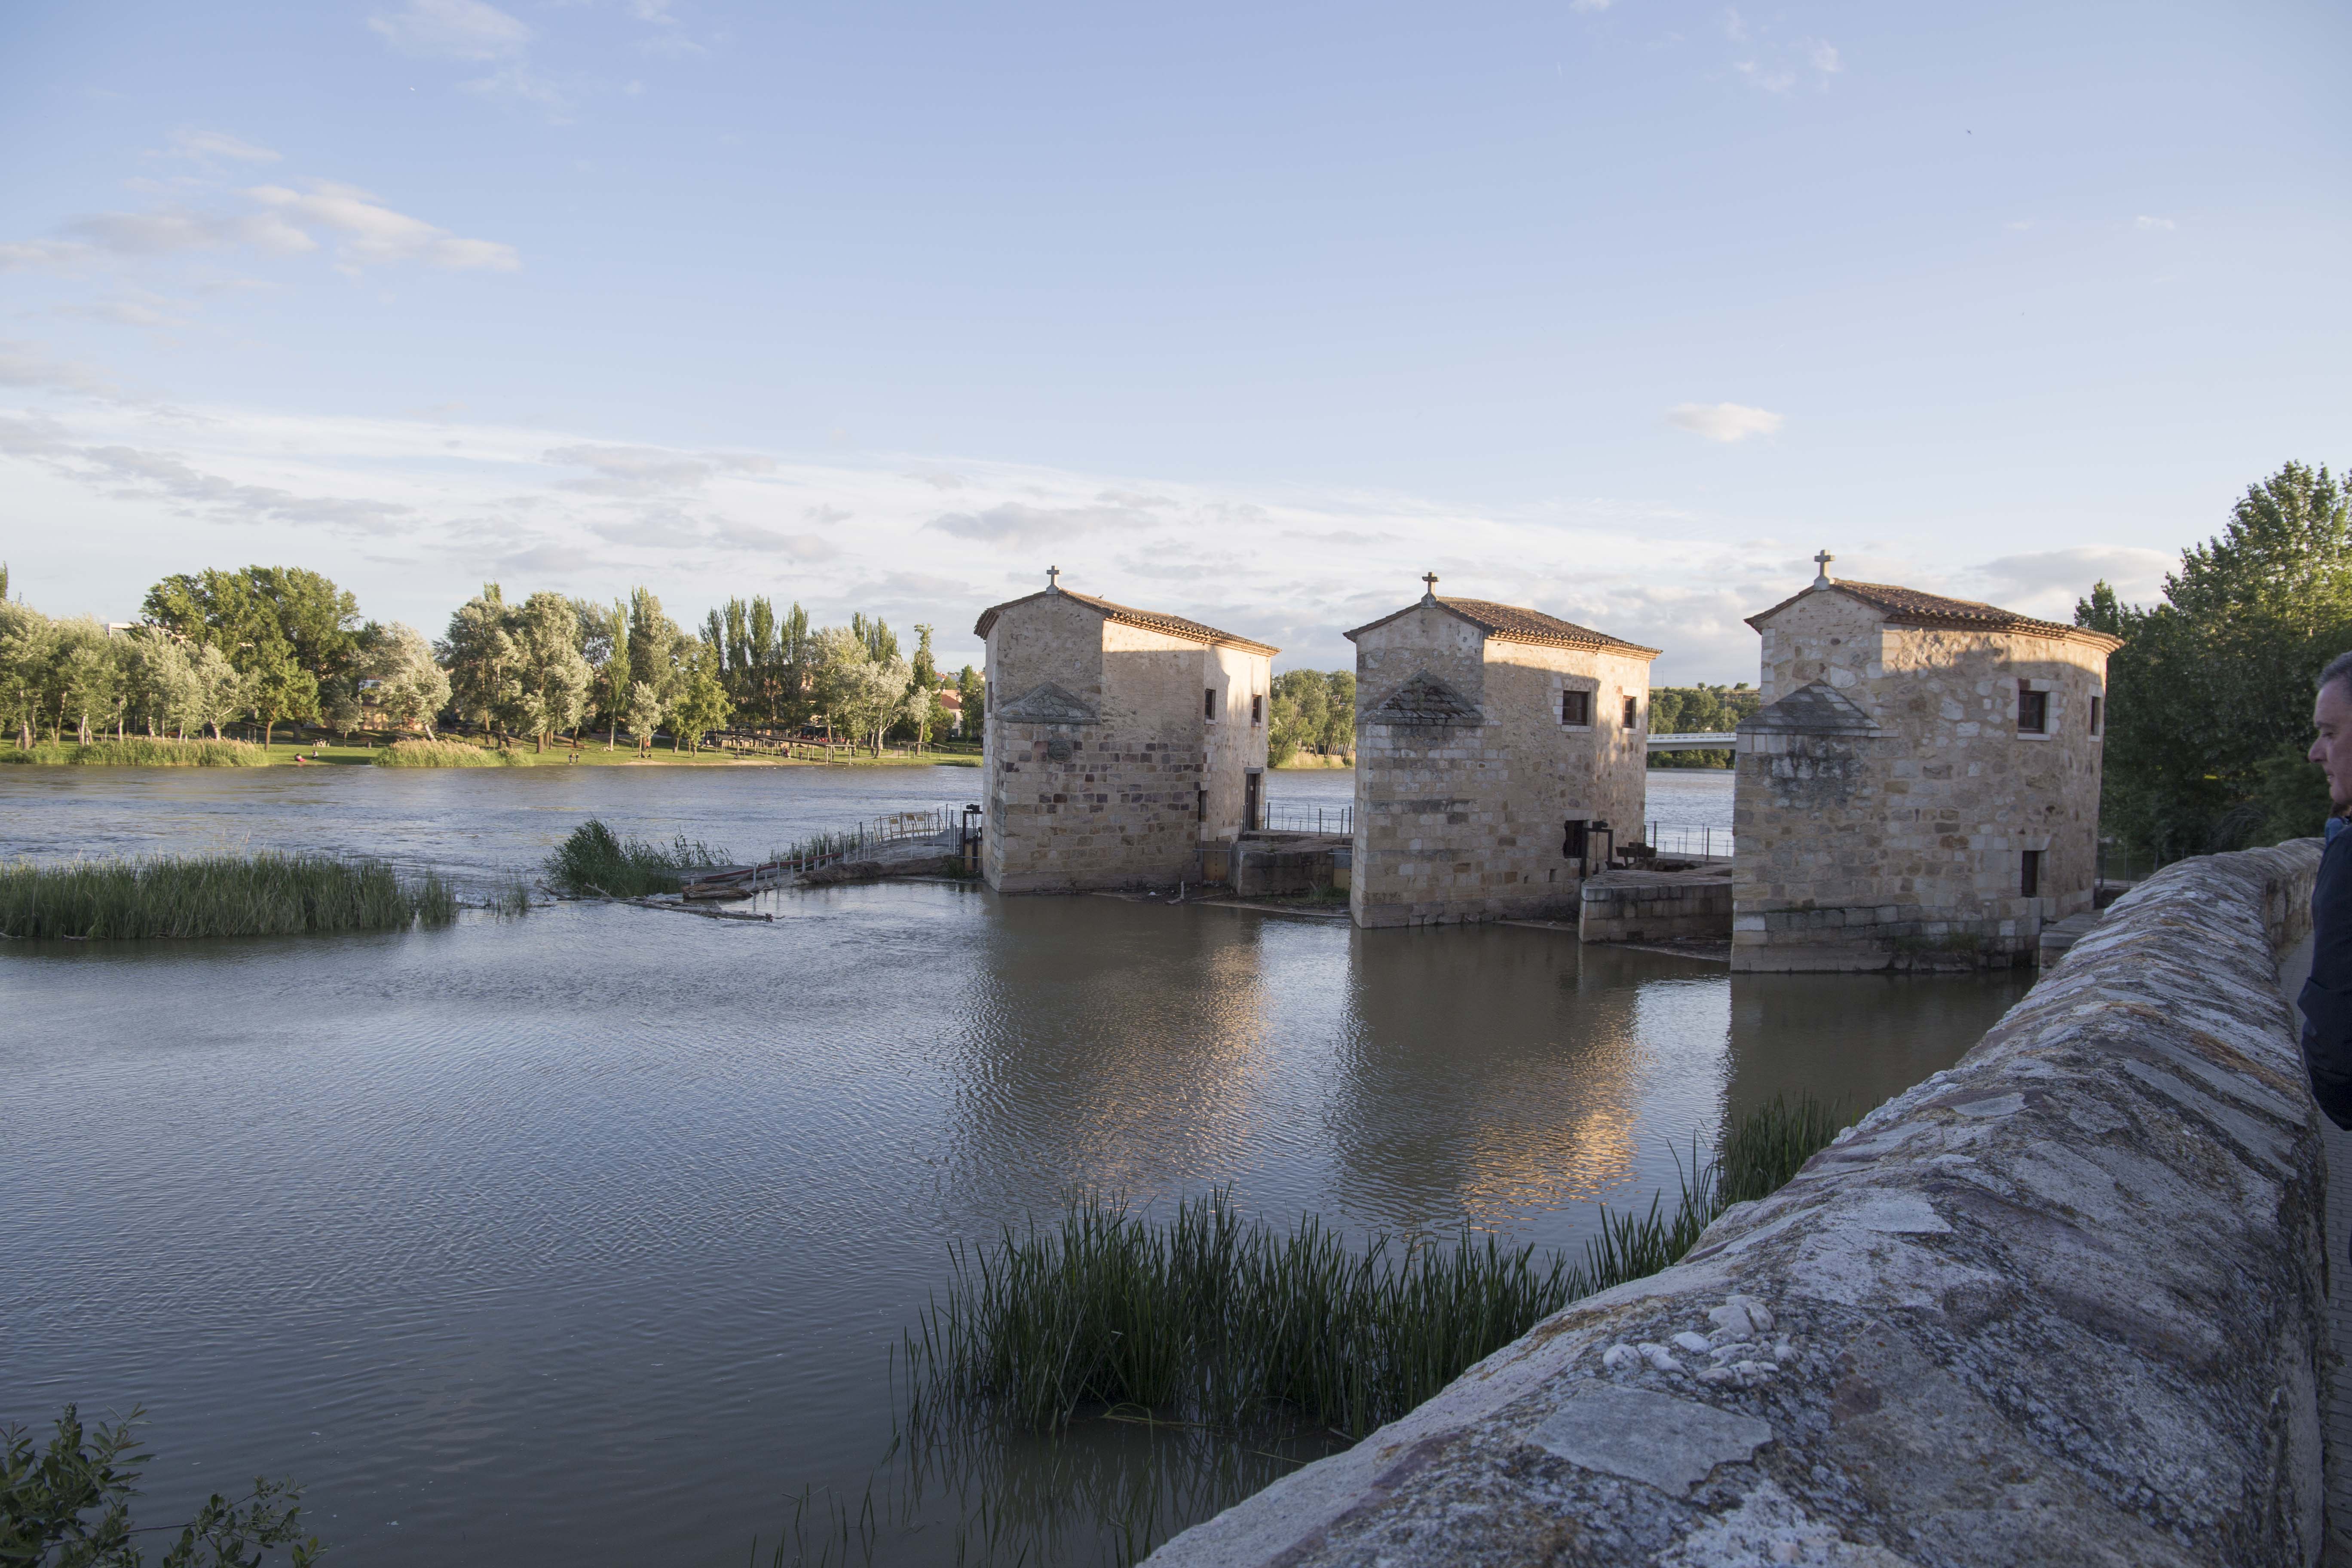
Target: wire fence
{"points": [[1309, 818], [1689, 842]]}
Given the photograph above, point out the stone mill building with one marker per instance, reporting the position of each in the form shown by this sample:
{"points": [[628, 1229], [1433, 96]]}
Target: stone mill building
{"points": [[1116, 743], [1921, 785], [1499, 752]]}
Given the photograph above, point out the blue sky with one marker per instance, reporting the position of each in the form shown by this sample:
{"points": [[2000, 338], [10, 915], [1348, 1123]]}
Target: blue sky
{"points": [[1252, 314]]}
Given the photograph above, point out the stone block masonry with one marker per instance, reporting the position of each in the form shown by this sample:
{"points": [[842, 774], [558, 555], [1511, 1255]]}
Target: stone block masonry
{"points": [[1118, 742], [1657, 906], [1489, 739], [2062, 1303], [1920, 789]]}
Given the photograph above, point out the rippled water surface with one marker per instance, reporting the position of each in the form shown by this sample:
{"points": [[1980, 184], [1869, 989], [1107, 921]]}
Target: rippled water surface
{"points": [[583, 1237]]}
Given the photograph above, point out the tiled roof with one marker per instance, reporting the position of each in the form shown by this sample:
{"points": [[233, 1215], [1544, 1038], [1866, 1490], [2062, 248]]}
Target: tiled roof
{"points": [[1910, 607], [1514, 623], [1149, 620]]}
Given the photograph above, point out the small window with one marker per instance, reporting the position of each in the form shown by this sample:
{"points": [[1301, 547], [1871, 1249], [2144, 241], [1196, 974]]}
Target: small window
{"points": [[1200, 805], [1258, 709], [1573, 841], [2098, 715], [1208, 703], [1576, 708], [2029, 875], [1632, 713], [2033, 711]]}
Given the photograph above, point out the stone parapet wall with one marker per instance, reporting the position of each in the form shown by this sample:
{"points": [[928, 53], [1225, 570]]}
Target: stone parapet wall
{"points": [[2061, 1303], [1656, 906]]}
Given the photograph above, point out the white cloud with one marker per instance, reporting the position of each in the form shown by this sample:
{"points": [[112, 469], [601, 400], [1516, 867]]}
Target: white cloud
{"points": [[1723, 421], [170, 229], [23, 364], [2048, 581], [207, 144], [1589, 5], [374, 235], [523, 85], [1823, 56], [2152, 225], [455, 29], [648, 470], [1014, 524]]}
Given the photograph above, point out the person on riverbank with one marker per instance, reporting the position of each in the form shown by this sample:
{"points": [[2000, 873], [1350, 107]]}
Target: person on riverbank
{"points": [[2327, 996]]}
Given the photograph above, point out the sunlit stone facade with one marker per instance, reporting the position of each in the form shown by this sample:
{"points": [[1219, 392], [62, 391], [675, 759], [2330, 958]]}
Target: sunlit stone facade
{"points": [[1489, 739], [1921, 785], [1117, 740]]}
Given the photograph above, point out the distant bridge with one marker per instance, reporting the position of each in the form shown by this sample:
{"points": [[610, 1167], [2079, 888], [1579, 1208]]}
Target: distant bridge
{"points": [[1697, 741]]}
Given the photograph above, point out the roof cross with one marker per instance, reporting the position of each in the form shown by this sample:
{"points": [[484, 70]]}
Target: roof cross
{"points": [[1053, 579], [1822, 560], [1430, 578]]}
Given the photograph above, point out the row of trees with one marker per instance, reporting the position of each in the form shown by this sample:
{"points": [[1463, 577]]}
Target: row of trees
{"points": [[1313, 710], [280, 644], [1699, 709], [2209, 699]]}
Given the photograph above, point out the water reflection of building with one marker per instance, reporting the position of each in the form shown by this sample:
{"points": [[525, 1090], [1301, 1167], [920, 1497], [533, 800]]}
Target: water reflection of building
{"points": [[1495, 1075], [1855, 1042], [1112, 1047]]}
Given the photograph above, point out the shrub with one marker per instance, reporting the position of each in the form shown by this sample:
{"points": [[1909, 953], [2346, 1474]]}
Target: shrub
{"points": [[596, 862], [143, 751], [215, 895], [444, 754]]}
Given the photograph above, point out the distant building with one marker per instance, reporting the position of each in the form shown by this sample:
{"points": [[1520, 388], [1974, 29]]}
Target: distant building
{"points": [[1117, 741], [1921, 787], [1499, 752]]}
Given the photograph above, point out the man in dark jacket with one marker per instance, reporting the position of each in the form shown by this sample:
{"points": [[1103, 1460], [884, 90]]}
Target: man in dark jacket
{"points": [[2327, 997]]}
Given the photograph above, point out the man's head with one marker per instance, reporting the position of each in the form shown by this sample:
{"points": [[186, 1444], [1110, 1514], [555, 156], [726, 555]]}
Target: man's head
{"points": [[2331, 715]]}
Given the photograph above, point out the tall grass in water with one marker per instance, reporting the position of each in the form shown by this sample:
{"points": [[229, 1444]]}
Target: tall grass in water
{"points": [[1206, 1316], [144, 751], [597, 861], [216, 895], [444, 754]]}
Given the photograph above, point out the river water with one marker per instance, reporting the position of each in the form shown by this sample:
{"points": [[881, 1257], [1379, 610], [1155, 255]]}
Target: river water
{"points": [[586, 1237]]}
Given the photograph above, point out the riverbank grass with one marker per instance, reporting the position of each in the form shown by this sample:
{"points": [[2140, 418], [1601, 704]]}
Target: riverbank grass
{"points": [[1207, 1317], [215, 895], [596, 862], [445, 754], [141, 751]]}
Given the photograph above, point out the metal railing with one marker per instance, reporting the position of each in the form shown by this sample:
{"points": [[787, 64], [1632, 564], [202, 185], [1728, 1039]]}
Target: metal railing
{"points": [[1309, 819], [1681, 841]]}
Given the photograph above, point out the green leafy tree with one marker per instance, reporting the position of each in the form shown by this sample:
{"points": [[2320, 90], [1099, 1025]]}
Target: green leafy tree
{"points": [[277, 688], [219, 689], [410, 687], [1339, 729], [480, 655], [644, 715], [2210, 698], [309, 620], [972, 695], [548, 682], [703, 704], [158, 679], [68, 1505], [1301, 704], [604, 644]]}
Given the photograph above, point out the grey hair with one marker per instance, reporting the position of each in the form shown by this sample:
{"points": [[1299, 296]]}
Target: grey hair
{"points": [[2338, 669]]}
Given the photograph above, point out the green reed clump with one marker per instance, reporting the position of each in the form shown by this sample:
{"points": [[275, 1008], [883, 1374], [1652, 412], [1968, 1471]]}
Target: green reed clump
{"points": [[1234, 1321], [144, 751], [597, 862], [216, 895], [445, 754]]}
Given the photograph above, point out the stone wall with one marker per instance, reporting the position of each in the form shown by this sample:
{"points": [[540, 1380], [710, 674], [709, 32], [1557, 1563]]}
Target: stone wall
{"points": [[1096, 749], [2061, 1303], [1462, 820], [1898, 840], [1656, 906]]}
